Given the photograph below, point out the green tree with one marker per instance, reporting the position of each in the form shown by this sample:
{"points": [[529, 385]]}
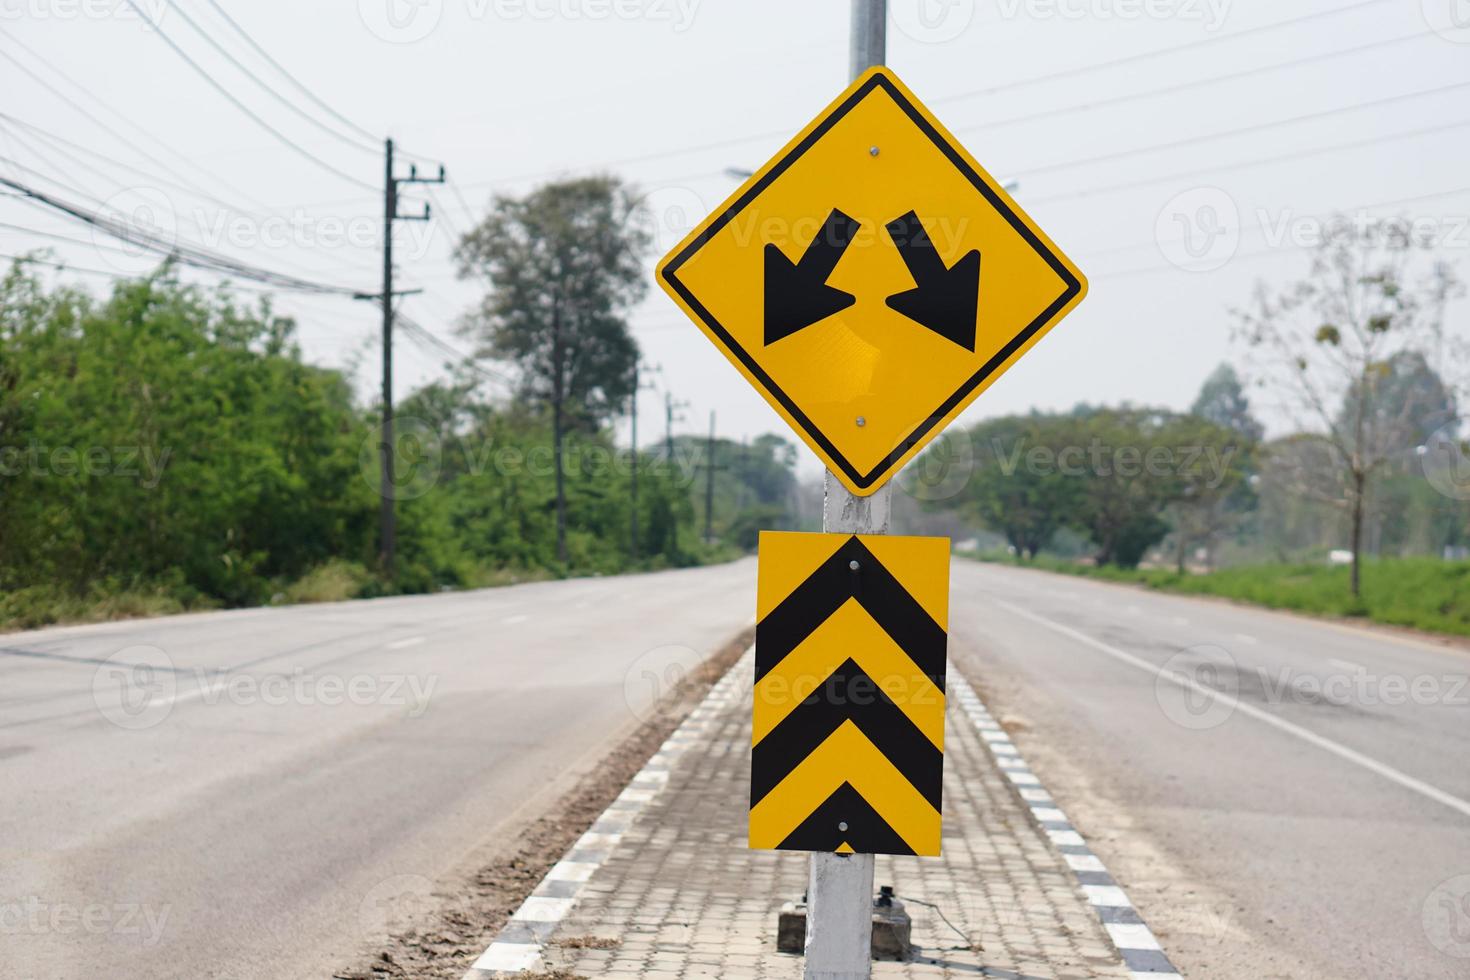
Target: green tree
{"points": [[566, 265], [1130, 476], [1018, 489], [1222, 400], [1328, 345], [1212, 468]]}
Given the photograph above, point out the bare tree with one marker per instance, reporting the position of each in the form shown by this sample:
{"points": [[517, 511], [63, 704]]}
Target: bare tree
{"points": [[1330, 348]]}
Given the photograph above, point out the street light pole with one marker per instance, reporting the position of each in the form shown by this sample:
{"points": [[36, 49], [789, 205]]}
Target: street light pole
{"points": [[839, 916]]}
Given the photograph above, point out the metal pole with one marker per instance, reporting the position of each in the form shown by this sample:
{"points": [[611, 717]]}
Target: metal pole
{"points": [[709, 484], [869, 35], [386, 529], [633, 461], [839, 917]]}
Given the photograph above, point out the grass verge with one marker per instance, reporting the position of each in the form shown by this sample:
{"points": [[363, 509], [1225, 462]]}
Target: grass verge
{"points": [[1419, 593]]}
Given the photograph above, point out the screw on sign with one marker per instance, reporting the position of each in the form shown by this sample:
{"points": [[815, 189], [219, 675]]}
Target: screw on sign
{"points": [[871, 272]]}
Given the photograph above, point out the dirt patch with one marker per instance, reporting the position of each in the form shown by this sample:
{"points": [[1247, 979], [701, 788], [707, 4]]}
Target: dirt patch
{"points": [[446, 942]]}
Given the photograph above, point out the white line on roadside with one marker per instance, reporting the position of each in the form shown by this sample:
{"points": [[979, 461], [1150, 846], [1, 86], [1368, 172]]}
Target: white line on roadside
{"points": [[512, 620], [405, 643], [183, 696], [1346, 665], [1246, 638], [1305, 734]]}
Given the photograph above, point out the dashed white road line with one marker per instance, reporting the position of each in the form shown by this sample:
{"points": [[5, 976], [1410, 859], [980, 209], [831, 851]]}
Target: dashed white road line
{"points": [[1296, 731], [513, 620], [405, 643], [1347, 665], [1246, 638], [1127, 931]]}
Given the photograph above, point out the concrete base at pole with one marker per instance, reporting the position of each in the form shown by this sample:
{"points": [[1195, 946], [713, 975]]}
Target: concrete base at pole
{"points": [[839, 922]]}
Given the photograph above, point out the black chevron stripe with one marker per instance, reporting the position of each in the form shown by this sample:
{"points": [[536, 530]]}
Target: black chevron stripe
{"points": [[825, 590], [848, 694], [867, 832]]}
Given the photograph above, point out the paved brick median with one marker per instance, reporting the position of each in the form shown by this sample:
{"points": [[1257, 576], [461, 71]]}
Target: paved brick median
{"points": [[682, 896]]}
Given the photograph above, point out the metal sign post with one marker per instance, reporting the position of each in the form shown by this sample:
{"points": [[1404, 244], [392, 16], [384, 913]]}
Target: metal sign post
{"points": [[839, 891], [870, 281]]}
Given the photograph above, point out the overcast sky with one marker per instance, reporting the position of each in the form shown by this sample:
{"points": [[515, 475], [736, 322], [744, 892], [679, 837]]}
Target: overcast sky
{"points": [[1134, 127]]}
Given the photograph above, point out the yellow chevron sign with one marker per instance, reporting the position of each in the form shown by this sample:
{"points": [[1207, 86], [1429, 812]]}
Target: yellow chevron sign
{"points": [[847, 747]]}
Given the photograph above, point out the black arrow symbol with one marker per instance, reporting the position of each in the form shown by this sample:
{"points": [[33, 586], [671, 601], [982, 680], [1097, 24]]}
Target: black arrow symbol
{"points": [[946, 300], [797, 294]]}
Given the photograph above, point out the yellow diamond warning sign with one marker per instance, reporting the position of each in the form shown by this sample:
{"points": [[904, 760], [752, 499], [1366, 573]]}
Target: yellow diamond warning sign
{"points": [[847, 741], [871, 280]]}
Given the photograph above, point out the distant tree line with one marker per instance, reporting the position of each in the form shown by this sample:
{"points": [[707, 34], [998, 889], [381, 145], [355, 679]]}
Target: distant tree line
{"points": [[1353, 358], [170, 440]]}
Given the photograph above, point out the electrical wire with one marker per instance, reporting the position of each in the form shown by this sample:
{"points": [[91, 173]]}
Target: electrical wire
{"points": [[1256, 162], [184, 254], [290, 77], [235, 101], [1060, 110], [354, 142], [90, 116], [1072, 162], [1188, 85], [1158, 53], [969, 943]]}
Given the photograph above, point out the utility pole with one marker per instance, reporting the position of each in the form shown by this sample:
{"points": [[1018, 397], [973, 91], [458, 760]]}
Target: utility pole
{"points": [[839, 920], [387, 517], [638, 386], [709, 484], [671, 415]]}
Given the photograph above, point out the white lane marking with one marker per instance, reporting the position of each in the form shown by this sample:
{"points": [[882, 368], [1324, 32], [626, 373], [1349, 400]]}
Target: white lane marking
{"points": [[1347, 665], [512, 620], [571, 871], [405, 643], [1181, 620], [1108, 896], [1131, 935], [508, 958], [1246, 638], [1084, 862], [1305, 734], [182, 696]]}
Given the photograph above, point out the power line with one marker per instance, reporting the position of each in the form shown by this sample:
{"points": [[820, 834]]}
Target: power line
{"points": [[1269, 249], [1158, 53], [427, 338], [245, 69], [64, 145], [230, 96], [1191, 84], [61, 142], [1257, 162], [290, 77], [94, 119], [184, 254], [1241, 131], [67, 238], [1074, 107]]}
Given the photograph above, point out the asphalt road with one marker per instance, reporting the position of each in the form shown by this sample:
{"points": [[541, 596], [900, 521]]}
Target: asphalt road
{"points": [[256, 794], [1313, 822]]}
